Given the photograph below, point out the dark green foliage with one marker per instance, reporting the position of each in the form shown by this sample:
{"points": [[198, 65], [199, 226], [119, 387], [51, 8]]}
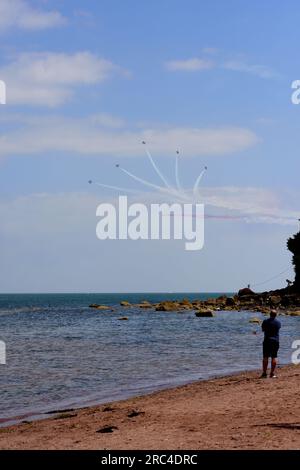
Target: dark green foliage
{"points": [[293, 245]]}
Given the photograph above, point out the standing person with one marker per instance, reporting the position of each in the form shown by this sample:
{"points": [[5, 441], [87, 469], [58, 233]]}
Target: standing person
{"points": [[271, 328]]}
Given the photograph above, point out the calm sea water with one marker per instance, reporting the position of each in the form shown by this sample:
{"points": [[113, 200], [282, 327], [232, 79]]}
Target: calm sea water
{"points": [[61, 353]]}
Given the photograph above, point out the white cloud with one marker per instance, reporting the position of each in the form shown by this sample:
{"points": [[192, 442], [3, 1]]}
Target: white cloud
{"points": [[50, 78], [246, 204], [48, 213], [106, 120], [253, 204], [246, 199], [103, 135], [189, 65], [238, 65], [20, 14], [74, 212], [259, 70]]}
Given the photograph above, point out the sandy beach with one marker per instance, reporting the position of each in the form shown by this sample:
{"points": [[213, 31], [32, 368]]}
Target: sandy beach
{"points": [[234, 412]]}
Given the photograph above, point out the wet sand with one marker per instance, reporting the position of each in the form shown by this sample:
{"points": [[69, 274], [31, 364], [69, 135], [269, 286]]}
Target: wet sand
{"points": [[233, 412]]}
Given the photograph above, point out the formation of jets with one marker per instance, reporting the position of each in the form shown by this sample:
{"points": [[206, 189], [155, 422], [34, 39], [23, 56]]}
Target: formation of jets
{"points": [[144, 143]]}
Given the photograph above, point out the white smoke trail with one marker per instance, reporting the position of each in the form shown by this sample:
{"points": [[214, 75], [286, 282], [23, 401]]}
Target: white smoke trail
{"points": [[197, 182], [116, 188], [179, 187], [170, 190], [157, 170]]}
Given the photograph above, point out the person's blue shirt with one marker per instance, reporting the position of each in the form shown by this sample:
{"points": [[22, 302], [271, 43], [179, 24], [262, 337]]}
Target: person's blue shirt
{"points": [[271, 328]]}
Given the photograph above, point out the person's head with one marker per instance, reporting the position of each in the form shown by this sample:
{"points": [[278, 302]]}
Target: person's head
{"points": [[273, 313]]}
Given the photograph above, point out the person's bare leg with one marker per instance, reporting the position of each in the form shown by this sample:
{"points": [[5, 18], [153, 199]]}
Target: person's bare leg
{"points": [[265, 366], [273, 366]]}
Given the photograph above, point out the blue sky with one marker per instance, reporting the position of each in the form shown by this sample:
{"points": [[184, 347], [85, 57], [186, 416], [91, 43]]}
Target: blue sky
{"points": [[88, 80]]}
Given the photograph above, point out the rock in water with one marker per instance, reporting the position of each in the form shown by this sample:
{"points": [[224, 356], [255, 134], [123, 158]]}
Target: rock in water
{"points": [[264, 310], [275, 300], [295, 313], [230, 302], [168, 306], [245, 291], [185, 303], [99, 307], [211, 301], [204, 313], [254, 320]]}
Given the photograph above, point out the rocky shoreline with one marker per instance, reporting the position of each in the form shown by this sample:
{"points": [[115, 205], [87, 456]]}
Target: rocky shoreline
{"points": [[285, 301]]}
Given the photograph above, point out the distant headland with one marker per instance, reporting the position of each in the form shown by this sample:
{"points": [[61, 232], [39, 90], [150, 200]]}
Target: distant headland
{"points": [[285, 300]]}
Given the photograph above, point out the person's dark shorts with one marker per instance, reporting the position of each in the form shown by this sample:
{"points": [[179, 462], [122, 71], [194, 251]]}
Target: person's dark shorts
{"points": [[270, 348]]}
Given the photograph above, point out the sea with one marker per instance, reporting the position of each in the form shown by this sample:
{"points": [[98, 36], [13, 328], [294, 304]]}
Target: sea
{"points": [[61, 354]]}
